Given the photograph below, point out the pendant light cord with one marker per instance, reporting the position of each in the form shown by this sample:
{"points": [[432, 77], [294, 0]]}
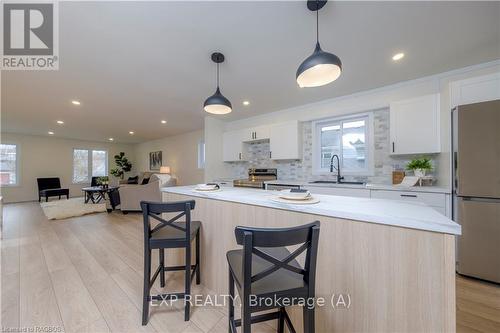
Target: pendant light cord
{"points": [[217, 75], [317, 21]]}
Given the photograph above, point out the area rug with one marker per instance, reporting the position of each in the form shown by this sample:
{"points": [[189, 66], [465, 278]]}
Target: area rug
{"points": [[63, 209]]}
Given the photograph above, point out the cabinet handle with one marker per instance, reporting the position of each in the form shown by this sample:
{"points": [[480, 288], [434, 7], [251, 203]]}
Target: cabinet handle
{"points": [[393, 146], [408, 195], [270, 154], [240, 156], [255, 135]]}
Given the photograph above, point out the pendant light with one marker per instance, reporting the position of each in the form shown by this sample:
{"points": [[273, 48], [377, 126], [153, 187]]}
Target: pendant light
{"points": [[217, 103], [321, 67]]}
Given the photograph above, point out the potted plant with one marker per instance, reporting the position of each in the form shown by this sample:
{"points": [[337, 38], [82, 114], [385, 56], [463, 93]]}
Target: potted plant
{"points": [[420, 166], [103, 181], [122, 165]]}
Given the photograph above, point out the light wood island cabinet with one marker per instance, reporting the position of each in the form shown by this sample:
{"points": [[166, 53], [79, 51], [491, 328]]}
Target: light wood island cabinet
{"points": [[394, 278]]}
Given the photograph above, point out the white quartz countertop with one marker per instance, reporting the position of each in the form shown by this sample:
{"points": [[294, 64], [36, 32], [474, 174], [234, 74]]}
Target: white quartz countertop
{"points": [[369, 186], [381, 211]]}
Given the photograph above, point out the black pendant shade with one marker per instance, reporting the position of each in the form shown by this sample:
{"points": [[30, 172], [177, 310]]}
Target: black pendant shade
{"points": [[318, 69], [217, 103], [321, 67]]}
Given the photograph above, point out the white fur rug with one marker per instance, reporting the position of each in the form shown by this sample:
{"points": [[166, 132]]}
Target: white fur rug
{"points": [[63, 209]]}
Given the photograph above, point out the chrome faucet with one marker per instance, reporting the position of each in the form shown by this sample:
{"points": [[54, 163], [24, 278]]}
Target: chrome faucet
{"points": [[339, 178]]}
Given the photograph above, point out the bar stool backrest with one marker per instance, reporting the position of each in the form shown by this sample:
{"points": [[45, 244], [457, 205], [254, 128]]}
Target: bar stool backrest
{"points": [[252, 239], [153, 209]]}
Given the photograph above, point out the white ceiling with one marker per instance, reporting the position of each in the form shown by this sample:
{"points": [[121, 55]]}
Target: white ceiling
{"points": [[132, 64]]}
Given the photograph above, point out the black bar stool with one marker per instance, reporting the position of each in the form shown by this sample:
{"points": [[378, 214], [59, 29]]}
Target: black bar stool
{"points": [[265, 270], [169, 235]]}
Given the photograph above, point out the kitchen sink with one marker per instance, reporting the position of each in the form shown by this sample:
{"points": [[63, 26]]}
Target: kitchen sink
{"points": [[335, 182]]}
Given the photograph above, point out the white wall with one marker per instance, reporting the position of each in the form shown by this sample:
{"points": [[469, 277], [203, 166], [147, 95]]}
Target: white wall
{"points": [[359, 102], [179, 152], [215, 168], [41, 156]]}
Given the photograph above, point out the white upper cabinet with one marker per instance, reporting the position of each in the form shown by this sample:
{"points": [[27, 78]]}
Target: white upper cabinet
{"points": [[233, 149], [285, 141], [415, 126], [474, 90], [256, 133]]}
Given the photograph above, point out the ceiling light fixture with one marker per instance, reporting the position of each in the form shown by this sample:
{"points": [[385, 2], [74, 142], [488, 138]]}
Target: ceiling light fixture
{"points": [[75, 102], [321, 67], [246, 103], [110, 139], [163, 121], [217, 103], [131, 132], [60, 122], [51, 133], [398, 56]]}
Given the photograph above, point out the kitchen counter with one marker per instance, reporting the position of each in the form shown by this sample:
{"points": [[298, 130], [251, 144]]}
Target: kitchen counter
{"points": [[389, 212], [388, 259], [372, 186]]}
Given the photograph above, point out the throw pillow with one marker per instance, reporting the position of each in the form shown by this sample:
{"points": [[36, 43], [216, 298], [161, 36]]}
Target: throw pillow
{"points": [[145, 181], [133, 180]]}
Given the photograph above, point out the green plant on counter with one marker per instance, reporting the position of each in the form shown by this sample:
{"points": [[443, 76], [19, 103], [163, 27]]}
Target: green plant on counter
{"points": [[122, 165], [423, 163]]}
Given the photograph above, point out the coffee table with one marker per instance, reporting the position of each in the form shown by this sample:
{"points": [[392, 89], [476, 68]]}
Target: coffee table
{"points": [[97, 193]]}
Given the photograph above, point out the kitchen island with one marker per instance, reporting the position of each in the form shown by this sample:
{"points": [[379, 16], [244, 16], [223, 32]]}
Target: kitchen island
{"points": [[393, 263]]}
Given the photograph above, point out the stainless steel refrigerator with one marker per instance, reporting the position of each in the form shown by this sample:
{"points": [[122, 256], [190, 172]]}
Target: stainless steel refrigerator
{"points": [[476, 188]]}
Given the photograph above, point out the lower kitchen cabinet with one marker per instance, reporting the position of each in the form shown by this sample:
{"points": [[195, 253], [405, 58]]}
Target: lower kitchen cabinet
{"points": [[438, 201]]}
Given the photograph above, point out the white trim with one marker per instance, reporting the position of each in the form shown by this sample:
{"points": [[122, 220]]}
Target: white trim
{"points": [[369, 142], [18, 170]]}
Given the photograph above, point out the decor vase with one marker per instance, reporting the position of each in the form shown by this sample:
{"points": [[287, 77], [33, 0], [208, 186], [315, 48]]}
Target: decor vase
{"points": [[420, 172]]}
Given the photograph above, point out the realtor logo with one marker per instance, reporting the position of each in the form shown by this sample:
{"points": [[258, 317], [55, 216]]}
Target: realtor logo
{"points": [[29, 36]]}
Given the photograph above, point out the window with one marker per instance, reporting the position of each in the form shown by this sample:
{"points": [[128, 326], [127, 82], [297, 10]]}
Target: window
{"points": [[349, 138], [8, 164], [89, 162], [201, 154]]}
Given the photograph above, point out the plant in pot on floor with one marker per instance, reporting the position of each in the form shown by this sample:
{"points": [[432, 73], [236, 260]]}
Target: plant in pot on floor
{"points": [[122, 165], [420, 166]]}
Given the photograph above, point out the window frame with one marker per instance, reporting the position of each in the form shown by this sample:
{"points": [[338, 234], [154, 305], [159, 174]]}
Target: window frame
{"points": [[18, 173], [89, 164], [369, 144]]}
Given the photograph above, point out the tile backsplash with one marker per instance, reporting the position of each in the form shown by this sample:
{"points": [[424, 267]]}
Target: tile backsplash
{"points": [[301, 170]]}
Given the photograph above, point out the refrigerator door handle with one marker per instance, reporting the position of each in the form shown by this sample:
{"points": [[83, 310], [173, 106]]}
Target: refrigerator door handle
{"points": [[494, 200]]}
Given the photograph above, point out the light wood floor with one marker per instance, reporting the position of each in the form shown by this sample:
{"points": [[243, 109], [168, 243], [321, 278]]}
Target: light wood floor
{"points": [[85, 275]]}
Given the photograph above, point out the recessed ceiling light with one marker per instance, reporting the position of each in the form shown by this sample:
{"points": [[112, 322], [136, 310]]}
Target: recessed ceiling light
{"points": [[75, 102], [110, 139], [246, 103], [131, 132], [398, 56], [163, 121], [60, 122], [51, 133]]}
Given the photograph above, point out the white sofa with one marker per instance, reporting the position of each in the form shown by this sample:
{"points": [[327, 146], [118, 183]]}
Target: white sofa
{"points": [[131, 195]]}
